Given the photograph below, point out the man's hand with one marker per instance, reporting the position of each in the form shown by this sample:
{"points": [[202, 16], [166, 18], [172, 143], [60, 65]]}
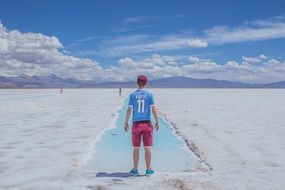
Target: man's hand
{"points": [[128, 114], [154, 112], [126, 127], [156, 126]]}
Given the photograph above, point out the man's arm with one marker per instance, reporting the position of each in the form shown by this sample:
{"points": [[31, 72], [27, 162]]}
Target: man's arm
{"points": [[155, 115], [128, 114]]}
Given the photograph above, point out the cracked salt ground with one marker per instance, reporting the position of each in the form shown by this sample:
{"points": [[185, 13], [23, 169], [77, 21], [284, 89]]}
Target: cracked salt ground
{"points": [[113, 152]]}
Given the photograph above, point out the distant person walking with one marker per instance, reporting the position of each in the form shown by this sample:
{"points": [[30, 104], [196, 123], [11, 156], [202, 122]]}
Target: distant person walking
{"points": [[141, 103], [61, 90], [120, 91]]}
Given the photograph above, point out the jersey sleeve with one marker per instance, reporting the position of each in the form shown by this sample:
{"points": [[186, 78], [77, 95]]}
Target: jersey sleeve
{"points": [[130, 101], [151, 100]]}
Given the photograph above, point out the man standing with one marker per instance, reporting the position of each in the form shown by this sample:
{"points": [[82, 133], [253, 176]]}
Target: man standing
{"points": [[120, 91], [141, 103]]}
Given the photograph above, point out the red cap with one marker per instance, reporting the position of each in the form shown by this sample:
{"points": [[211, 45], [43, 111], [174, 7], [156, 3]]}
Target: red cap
{"points": [[142, 79]]}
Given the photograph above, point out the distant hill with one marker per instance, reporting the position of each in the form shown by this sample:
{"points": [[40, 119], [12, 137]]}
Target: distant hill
{"points": [[280, 84], [184, 82], [53, 81]]}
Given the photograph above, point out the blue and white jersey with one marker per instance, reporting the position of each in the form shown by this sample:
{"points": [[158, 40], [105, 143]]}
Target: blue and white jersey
{"points": [[141, 102]]}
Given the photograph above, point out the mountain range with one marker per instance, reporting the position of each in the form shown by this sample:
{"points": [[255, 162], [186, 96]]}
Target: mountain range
{"points": [[53, 81]]}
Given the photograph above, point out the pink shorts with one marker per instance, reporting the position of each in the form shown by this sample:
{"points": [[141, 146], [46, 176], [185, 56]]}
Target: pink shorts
{"points": [[142, 129]]}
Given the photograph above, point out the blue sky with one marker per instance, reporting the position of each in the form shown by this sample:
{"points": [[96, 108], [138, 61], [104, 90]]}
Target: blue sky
{"points": [[192, 38]]}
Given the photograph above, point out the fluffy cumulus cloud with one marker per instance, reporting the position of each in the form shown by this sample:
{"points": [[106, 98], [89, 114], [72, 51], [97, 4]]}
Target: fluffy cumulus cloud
{"points": [[267, 70], [201, 66], [38, 54], [252, 60], [157, 66]]}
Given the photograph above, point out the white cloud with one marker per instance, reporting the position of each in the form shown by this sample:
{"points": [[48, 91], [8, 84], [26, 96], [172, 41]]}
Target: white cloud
{"points": [[274, 62], [135, 23], [38, 54], [126, 62], [137, 19], [232, 64], [263, 56], [201, 65], [250, 31], [149, 45], [197, 43], [157, 66], [235, 66], [251, 59], [192, 59]]}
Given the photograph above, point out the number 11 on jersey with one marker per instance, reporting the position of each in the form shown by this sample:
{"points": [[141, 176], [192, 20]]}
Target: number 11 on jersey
{"points": [[140, 105]]}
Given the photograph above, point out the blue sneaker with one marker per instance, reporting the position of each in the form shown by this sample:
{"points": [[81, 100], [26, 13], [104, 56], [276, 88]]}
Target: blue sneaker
{"points": [[134, 172], [149, 172]]}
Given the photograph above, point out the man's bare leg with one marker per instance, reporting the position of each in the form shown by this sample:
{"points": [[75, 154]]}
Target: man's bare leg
{"points": [[136, 155], [147, 156]]}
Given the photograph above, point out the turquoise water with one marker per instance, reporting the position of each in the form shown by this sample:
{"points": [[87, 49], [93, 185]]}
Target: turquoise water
{"points": [[113, 152]]}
